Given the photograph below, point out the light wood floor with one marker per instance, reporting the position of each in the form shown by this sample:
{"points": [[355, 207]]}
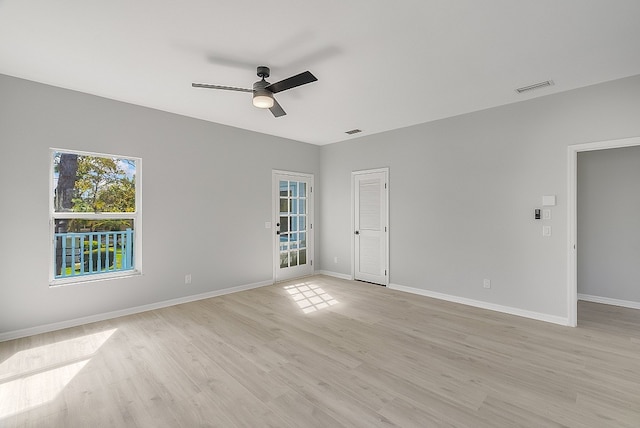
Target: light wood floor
{"points": [[361, 356]]}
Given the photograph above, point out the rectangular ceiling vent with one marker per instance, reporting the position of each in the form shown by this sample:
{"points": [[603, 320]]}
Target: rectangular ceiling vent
{"points": [[535, 86], [353, 131]]}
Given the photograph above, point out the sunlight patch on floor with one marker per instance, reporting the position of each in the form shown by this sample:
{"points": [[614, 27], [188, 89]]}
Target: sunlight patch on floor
{"points": [[35, 376], [310, 297]]}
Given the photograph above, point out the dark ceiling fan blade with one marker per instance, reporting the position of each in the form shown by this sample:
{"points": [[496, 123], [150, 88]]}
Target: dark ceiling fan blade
{"points": [[292, 82], [277, 109], [226, 88]]}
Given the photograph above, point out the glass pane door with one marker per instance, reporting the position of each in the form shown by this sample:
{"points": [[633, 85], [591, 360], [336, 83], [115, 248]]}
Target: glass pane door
{"points": [[293, 226]]}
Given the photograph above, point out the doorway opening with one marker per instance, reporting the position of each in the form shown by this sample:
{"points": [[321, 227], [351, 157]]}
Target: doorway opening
{"points": [[572, 281]]}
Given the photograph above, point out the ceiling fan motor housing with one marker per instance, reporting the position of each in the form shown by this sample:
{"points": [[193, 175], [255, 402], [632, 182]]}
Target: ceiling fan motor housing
{"points": [[260, 85]]}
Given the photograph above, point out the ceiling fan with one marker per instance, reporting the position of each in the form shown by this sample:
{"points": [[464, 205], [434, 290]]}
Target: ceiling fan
{"points": [[263, 91]]}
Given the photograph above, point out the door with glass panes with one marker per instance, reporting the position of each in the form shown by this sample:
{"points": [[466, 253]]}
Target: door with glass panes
{"points": [[293, 252]]}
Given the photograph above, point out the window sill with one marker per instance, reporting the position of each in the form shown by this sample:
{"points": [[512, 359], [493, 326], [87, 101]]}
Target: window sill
{"points": [[82, 280]]}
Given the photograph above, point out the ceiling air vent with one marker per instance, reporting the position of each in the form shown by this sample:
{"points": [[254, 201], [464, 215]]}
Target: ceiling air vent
{"points": [[535, 86], [353, 131]]}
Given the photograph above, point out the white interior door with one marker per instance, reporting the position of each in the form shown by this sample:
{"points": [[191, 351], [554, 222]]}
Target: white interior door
{"points": [[370, 238], [293, 219]]}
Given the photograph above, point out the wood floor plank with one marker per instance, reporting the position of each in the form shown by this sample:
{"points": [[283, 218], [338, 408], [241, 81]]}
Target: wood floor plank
{"points": [[325, 352]]}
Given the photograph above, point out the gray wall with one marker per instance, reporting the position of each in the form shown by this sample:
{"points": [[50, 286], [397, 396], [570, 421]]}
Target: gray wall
{"points": [[463, 191], [609, 223], [206, 195]]}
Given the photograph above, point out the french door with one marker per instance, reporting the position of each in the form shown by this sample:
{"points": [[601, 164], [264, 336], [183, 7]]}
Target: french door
{"points": [[370, 222], [293, 219]]}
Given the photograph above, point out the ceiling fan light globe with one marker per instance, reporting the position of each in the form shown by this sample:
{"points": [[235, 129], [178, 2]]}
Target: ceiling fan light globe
{"points": [[263, 101]]}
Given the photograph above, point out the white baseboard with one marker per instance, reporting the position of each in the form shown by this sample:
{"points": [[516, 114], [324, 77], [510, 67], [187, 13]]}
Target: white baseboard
{"points": [[334, 274], [123, 312], [484, 305], [609, 301]]}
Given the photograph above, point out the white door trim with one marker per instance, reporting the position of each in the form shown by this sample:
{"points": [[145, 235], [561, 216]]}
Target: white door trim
{"points": [[352, 229], [572, 271], [275, 196]]}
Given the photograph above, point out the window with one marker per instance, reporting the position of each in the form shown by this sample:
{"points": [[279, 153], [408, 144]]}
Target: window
{"points": [[95, 216]]}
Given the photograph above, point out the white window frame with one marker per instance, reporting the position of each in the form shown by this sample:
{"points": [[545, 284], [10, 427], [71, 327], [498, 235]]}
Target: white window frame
{"points": [[136, 216]]}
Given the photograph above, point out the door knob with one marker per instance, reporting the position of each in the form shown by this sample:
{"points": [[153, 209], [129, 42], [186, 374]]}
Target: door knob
{"points": [[357, 232]]}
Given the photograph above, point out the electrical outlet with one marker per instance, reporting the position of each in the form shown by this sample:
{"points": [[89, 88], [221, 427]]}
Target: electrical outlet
{"points": [[546, 214], [486, 283], [187, 278], [546, 231]]}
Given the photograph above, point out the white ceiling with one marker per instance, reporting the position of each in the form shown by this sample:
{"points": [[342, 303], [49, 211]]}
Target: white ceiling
{"points": [[380, 65]]}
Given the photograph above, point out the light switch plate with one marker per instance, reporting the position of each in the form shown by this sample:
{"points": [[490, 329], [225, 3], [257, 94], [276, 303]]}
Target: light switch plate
{"points": [[546, 231], [546, 214]]}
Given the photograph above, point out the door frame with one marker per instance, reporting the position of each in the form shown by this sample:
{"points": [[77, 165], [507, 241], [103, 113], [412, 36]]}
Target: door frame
{"points": [[353, 212], [275, 200], [572, 274]]}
